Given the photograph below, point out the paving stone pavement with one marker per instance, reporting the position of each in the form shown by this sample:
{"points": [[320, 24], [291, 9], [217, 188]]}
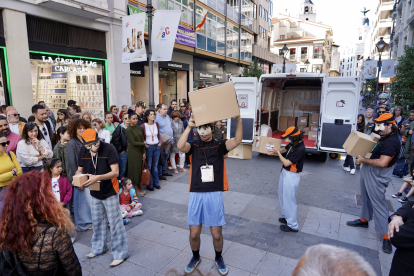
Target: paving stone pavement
{"points": [[253, 242]]}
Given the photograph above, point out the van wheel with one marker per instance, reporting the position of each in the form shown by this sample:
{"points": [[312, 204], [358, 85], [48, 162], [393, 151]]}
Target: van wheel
{"points": [[333, 155], [323, 156]]}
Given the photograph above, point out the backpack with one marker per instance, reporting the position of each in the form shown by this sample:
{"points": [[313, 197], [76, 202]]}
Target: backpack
{"points": [[401, 169], [10, 263]]}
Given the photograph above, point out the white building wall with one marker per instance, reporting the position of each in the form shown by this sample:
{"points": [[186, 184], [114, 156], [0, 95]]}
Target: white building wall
{"points": [[404, 28]]}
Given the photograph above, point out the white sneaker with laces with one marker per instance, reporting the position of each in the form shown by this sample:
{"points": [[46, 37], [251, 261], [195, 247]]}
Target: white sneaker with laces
{"points": [[137, 213], [348, 169], [352, 171], [124, 213]]}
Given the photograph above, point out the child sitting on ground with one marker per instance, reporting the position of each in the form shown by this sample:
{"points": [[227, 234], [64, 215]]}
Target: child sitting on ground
{"points": [[128, 200], [408, 182]]}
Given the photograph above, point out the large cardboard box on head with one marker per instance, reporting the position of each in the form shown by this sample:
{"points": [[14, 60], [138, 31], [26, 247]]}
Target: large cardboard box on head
{"points": [[359, 144], [214, 103], [79, 179], [262, 144], [242, 151]]}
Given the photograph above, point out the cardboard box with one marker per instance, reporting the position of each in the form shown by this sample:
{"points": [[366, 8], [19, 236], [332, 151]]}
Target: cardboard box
{"points": [[312, 135], [214, 103], [314, 119], [301, 127], [242, 151], [303, 120], [283, 123], [262, 144], [313, 127], [358, 144], [79, 179], [292, 121], [375, 137]]}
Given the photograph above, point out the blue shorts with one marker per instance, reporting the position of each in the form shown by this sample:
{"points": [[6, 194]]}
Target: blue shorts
{"points": [[207, 209]]}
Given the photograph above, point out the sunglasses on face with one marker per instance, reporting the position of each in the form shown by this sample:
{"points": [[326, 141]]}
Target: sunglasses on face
{"points": [[5, 143], [16, 115], [381, 112]]}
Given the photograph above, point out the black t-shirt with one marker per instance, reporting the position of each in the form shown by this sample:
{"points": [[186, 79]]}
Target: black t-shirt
{"points": [[107, 156], [215, 150], [295, 154], [388, 145]]}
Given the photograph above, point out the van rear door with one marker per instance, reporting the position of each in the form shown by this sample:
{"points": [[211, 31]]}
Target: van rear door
{"points": [[246, 89], [338, 112]]}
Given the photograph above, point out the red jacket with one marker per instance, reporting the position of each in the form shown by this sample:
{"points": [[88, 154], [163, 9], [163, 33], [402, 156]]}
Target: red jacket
{"points": [[65, 190]]}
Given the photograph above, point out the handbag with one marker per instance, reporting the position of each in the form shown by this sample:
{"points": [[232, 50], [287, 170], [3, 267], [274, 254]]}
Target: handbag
{"points": [[145, 175]]}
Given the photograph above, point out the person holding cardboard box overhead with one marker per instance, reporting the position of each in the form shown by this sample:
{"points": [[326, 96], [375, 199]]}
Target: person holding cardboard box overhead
{"points": [[376, 175], [292, 158], [208, 181], [99, 161]]}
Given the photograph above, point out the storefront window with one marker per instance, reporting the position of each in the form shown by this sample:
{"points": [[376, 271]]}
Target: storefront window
{"points": [[57, 79], [246, 46], [211, 35]]}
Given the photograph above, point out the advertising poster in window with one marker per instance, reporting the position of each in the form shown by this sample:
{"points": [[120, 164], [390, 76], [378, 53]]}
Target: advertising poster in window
{"points": [[133, 46], [164, 31]]}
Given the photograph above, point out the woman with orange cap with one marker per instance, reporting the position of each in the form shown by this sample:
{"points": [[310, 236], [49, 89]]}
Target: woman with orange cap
{"points": [[292, 158], [376, 176]]}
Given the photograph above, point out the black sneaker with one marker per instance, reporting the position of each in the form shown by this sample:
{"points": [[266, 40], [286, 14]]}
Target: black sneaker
{"points": [[162, 177], [357, 223], [283, 220], [167, 174], [192, 265], [286, 228], [157, 187], [403, 200], [150, 189], [386, 246], [397, 195]]}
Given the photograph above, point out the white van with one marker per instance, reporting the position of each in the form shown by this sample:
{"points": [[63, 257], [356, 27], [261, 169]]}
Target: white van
{"points": [[336, 100]]}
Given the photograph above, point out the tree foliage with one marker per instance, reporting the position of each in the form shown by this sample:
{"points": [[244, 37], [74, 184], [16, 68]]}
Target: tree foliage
{"points": [[253, 70], [403, 86]]}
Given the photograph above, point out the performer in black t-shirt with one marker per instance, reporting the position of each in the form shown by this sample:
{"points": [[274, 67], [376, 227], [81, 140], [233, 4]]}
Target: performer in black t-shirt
{"points": [[292, 158], [99, 160], [375, 177], [207, 183]]}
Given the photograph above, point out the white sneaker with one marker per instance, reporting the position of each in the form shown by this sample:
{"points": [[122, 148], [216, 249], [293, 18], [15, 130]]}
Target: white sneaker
{"points": [[73, 239], [170, 168], [352, 171], [137, 213], [348, 169], [91, 255], [124, 213], [117, 262]]}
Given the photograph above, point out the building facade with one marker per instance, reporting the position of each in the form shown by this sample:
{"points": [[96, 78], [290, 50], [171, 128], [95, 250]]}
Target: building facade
{"points": [[403, 34], [306, 40], [335, 61]]}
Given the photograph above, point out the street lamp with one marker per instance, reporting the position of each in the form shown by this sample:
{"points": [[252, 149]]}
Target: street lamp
{"points": [[285, 50], [380, 48], [307, 65]]}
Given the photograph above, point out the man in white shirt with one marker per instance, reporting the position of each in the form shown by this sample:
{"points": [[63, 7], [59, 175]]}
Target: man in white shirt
{"points": [[14, 124], [40, 114]]}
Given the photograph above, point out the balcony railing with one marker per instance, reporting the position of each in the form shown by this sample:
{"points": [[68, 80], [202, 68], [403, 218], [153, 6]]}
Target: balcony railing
{"points": [[292, 57], [303, 56], [317, 55]]}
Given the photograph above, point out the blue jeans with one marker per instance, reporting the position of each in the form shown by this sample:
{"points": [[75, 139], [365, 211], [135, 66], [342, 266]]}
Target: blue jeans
{"points": [[123, 158], [29, 169], [153, 154], [82, 204], [163, 169]]}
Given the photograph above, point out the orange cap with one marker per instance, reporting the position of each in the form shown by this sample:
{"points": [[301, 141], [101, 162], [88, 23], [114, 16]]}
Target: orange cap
{"points": [[90, 136], [385, 118], [291, 131]]}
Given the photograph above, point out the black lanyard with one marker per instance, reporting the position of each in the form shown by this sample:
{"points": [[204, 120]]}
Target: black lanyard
{"points": [[205, 155]]}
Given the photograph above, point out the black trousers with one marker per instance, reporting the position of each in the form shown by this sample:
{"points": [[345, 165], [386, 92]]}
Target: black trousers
{"points": [[349, 162]]}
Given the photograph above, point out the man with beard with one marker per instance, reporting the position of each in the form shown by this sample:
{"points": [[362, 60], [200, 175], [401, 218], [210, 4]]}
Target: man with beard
{"points": [[10, 135], [15, 124], [208, 181], [40, 114], [99, 161], [376, 176]]}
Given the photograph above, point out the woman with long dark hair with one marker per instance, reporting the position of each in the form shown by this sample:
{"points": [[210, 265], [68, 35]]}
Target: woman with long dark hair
{"points": [[38, 232], [82, 200], [32, 150], [63, 118]]}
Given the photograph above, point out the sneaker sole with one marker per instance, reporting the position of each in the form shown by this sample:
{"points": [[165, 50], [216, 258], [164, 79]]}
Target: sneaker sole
{"points": [[403, 201], [186, 272]]}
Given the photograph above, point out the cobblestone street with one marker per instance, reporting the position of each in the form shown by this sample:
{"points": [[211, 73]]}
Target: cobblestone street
{"points": [[254, 244]]}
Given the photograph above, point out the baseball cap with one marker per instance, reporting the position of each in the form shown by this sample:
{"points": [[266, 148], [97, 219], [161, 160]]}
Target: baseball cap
{"points": [[386, 118], [291, 131], [90, 136], [143, 104]]}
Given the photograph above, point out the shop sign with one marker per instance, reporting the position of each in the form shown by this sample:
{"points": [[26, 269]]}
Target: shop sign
{"points": [[137, 69], [68, 61], [205, 76], [186, 37], [174, 66]]}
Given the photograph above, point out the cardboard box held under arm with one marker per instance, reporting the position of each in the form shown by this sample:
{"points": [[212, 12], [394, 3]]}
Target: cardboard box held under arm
{"points": [[359, 144], [214, 103], [262, 144]]}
